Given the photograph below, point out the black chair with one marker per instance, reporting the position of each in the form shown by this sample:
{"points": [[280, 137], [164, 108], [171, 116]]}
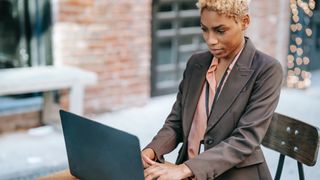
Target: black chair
{"points": [[293, 138]]}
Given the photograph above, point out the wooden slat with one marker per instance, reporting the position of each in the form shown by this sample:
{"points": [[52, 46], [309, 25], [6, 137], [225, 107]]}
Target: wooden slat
{"points": [[293, 138]]}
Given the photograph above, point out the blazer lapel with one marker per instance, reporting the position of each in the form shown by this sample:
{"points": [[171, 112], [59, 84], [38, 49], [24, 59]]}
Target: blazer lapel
{"points": [[236, 81], [195, 86]]}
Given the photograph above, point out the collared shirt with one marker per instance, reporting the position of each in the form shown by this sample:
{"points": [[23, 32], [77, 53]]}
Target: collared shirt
{"points": [[200, 118]]}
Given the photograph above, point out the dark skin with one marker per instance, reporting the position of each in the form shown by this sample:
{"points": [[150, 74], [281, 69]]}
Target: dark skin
{"points": [[225, 38]]}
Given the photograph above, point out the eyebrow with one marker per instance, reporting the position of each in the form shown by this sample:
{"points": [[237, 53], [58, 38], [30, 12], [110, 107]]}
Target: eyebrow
{"points": [[215, 27]]}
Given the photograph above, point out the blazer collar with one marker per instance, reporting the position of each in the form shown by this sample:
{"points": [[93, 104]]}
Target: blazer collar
{"points": [[238, 78], [204, 61], [194, 87], [246, 56]]}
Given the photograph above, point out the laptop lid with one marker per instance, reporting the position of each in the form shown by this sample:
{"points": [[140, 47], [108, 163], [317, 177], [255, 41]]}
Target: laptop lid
{"points": [[96, 151]]}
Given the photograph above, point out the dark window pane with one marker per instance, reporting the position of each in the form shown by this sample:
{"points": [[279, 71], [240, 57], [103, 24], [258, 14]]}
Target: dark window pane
{"points": [[188, 5], [166, 76], [184, 40], [165, 25], [164, 52], [190, 22], [165, 7], [9, 35]]}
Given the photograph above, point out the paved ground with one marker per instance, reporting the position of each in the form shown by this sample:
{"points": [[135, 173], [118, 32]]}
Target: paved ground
{"points": [[26, 155]]}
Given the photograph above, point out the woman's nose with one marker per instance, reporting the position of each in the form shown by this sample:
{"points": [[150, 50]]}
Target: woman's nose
{"points": [[212, 39]]}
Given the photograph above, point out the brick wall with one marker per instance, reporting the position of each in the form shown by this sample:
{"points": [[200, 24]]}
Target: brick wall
{"points": [[269, 28], [111, 38], [19, 121]]}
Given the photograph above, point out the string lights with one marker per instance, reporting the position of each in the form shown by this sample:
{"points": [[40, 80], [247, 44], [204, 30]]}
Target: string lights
{"points": [[297, 60]]}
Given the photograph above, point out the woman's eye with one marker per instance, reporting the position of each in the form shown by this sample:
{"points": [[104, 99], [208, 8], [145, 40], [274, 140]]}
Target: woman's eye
{"points": [[203, 29], [221, 31]]}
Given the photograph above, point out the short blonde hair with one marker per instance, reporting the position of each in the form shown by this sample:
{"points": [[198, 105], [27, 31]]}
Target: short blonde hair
{"points": [[231, 8]]}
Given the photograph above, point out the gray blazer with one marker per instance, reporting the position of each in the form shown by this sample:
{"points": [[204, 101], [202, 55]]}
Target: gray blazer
{"points": [[237, 124]]}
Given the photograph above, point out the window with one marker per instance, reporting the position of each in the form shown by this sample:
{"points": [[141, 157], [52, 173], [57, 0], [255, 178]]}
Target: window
{"points": [[12, 35], [25, 33], [176, 34]]}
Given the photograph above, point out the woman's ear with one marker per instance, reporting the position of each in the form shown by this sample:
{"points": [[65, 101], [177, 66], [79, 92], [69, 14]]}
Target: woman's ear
{"points": [[245, 21]]}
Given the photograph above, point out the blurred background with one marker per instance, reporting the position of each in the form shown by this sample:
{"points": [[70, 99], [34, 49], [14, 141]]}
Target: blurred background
{"points": [[132, 54]]}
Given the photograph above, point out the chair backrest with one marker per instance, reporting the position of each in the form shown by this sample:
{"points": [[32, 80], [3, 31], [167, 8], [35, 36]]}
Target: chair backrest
{"points": [[293, 138]]}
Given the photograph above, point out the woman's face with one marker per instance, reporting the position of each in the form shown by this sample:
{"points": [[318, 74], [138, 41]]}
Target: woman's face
{"points": [[223, 35]]}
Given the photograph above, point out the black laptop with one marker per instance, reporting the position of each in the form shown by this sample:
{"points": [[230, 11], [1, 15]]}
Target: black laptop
{"points": [[96, 151]]}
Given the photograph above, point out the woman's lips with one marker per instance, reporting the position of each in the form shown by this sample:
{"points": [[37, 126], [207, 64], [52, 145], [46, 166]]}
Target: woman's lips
{"points": [[216, 51]]}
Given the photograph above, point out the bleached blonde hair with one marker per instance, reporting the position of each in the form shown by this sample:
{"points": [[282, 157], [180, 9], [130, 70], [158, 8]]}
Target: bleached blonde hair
{"points": [[231, 8]]}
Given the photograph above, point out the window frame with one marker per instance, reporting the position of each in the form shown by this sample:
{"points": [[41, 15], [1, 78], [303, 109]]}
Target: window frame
{"points": [[175, 15]]}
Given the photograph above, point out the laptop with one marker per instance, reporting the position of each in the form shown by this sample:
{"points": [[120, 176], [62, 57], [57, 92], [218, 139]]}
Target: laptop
{"points": [[96, 151]]}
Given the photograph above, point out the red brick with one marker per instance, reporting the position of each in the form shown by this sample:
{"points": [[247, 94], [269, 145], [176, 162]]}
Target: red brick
{"points": [[19, 121]]}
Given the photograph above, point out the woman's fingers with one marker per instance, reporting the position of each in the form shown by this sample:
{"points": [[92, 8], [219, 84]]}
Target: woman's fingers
{"points": [[147, 160]]}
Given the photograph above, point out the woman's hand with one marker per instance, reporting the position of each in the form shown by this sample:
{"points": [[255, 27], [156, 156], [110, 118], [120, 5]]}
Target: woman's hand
{"points": [[164, 171], [147, 154]]}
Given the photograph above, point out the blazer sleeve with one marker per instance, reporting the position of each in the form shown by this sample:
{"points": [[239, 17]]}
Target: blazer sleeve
{"points": [[171, 134], [251, 128]]}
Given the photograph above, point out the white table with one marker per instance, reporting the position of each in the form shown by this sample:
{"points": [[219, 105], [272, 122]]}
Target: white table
{"points": [[48, 79]]}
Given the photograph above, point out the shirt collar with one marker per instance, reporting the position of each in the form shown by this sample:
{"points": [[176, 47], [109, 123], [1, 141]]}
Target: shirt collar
{"points": [[215, 62]]}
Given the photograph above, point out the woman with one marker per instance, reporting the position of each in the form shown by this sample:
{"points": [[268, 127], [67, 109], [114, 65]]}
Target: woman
{"points": [[224, 104]]}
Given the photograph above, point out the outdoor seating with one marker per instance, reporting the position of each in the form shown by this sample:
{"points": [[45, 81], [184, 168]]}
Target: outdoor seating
{"points": [[293, 138]]}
